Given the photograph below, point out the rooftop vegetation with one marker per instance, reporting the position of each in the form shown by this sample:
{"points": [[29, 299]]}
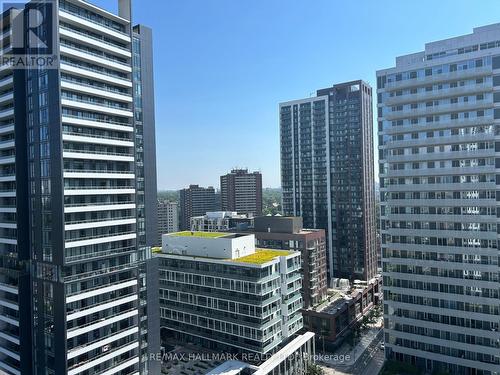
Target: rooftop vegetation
{"points": [[200, 234], [262, 256]]}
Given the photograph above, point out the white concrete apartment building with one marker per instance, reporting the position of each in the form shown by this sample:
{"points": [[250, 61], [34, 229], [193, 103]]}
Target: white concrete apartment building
{"points": [[218, 291], [439, 142], [168, 218], [214, 221]]}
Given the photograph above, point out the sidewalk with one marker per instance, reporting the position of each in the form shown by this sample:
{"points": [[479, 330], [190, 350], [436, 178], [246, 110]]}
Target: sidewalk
{"points": [[345, 356]]}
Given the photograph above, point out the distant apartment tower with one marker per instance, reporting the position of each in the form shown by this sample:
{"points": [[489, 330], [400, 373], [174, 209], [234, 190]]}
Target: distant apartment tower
{"points": [[168, 218], [242, 192], [327, 173], [195, 201], [439, 141], [219, 291], [75, 202], [287, 233]]}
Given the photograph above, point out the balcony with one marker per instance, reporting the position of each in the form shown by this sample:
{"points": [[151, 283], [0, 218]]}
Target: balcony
{"points": [[96, 107], [96, 190], [97, 123], [101, 91], [88, 23], [98, 173], [91, 292], [99, 272], [443, 77], [82, 54], [95, 240], [87, 224], [99, 254], [439, 109], [96, 155], [94, 74], [80, 330], [439, 125], [94, 41], [439, 94], [99, 206], [79, 350], [97, 139]]}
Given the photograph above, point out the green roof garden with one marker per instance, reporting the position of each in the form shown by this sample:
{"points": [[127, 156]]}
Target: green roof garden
{"points": [[200, 234], [262, 256]]}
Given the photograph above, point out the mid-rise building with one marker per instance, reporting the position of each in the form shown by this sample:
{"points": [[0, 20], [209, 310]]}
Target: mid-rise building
{"points": [[287, 233], [195, 201], [218, 221], [343, 311], [168, 218], [327, 173], [217, 290], [242, 192], [439, 140], [75, 200]]}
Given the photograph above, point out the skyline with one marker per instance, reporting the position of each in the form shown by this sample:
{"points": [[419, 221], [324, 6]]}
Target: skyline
{"points": [[332, 272], [260, 62]]}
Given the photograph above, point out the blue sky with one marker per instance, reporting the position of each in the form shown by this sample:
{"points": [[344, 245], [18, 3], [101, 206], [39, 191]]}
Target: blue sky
{"points": [[222, 67]]}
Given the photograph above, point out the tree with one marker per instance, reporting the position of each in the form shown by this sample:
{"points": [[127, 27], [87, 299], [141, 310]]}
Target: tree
{"points": [[314, 369]]}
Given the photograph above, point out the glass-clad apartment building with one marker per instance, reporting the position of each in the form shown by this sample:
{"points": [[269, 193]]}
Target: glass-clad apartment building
{"points": [[327, 173], [439, 144], [73, 239]]}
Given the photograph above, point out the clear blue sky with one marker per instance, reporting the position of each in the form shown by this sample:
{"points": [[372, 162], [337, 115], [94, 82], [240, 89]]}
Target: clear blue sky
{"points": [[222, 67]]}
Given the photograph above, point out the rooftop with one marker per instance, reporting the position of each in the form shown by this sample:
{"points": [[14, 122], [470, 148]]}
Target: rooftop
{"points": [[200, 234], [262, 256]]}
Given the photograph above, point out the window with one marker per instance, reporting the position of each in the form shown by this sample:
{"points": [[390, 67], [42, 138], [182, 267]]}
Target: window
{"points": [[496, 62]]}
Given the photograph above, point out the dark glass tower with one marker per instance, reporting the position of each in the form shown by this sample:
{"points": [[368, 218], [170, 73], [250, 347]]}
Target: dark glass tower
{"points": [[75, 199], [327, 173]]}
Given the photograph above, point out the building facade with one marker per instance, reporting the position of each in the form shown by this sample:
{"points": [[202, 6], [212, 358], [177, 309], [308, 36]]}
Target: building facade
{"points": [[218, 291], [242, 192], [218, 221], [327, 173], [75, 198], [168, 218], [195, 201], [439, 138], [287, 233]]}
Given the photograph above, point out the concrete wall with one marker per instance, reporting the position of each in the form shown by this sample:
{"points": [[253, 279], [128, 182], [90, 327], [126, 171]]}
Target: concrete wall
{"points": [[224, 248]]}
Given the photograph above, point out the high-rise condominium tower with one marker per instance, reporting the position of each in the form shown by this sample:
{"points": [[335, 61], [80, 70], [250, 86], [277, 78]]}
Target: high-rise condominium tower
{"points": [[242, 192], [168, 218], [439, 138], [195, 201], [327, 173], [75, 197]]}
